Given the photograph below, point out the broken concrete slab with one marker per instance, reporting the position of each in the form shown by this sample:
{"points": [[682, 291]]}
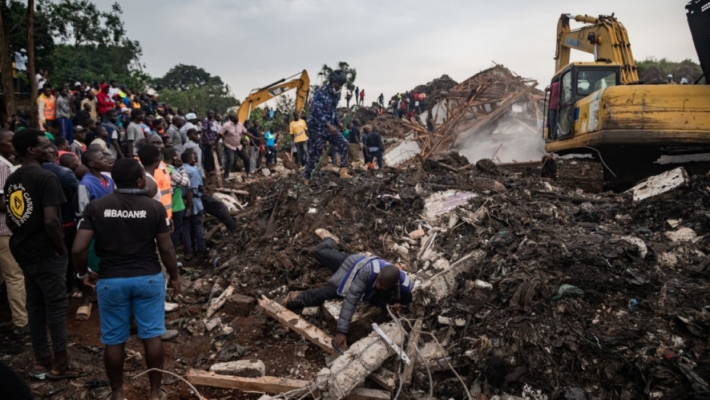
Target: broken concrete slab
{"points": [[684, 234], [212, 323], [360, 360], [441, 203], [451, 321], [239, 305], [444, 283], [229, 201], [245, 368], [403, 152], [667, 182], [310, 311], [639, 243]]}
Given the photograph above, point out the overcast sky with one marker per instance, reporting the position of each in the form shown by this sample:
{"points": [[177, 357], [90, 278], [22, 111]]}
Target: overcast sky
{"points": [[394, 45]]}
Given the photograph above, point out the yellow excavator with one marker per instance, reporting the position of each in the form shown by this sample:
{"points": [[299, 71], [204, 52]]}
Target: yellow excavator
{"points": [[259, 96], [601, 110]]}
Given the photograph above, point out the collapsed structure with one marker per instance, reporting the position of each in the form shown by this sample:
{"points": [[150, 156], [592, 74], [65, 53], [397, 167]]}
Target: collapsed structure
{"points": [[494, 114]]}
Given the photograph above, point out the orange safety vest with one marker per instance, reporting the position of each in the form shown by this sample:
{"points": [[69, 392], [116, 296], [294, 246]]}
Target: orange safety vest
{"points": [[162, 177], [50, 109]]}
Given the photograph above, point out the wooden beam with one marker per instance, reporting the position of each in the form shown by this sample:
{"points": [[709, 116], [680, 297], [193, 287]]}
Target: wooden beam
{"points": [[412, 352], [269, 384], [290, 320]]}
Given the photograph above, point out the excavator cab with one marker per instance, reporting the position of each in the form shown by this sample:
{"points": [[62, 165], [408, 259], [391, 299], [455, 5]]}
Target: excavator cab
{"points": [[571, 84]]}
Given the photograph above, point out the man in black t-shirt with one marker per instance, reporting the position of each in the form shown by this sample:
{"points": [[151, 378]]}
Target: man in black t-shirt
{"points": [[32, 198], [127, 225]]}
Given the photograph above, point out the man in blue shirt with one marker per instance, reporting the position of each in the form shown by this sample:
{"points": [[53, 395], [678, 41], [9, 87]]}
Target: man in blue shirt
{"points": [[271, 151], [192, 227], [323, 125]]}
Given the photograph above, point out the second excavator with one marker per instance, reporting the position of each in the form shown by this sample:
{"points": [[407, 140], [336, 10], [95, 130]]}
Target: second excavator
{"points": [[266, 93]]}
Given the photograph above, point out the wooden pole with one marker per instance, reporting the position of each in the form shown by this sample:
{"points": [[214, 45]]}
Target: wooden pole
{"points": [[31, 72], [412, 352], [8, 85]]}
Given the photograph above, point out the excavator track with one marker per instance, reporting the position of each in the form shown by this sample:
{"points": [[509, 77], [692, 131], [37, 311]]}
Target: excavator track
{"points": [[585, 174]]}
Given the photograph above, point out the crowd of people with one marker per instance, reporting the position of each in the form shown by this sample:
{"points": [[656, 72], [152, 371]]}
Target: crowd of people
{"points": [[112, 170], [408, 104]]}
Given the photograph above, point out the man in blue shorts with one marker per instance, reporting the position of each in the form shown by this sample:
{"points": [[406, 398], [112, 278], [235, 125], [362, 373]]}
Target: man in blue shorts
{"points": [[127, 225]]}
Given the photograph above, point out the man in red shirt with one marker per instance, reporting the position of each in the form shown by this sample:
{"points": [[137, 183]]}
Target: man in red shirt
{"points": [[104, 102]]}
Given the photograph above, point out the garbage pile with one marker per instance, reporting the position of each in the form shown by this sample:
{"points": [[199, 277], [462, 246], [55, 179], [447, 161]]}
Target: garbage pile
{"points": [[524, 288], [440, 84]]}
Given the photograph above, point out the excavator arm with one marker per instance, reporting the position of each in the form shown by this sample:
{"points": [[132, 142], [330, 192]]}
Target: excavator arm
{"points": [[259, 96], [605, 37], [698, 12]]}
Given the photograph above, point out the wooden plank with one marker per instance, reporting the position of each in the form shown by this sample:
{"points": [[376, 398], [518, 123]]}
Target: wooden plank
{"points": [[412, 352], [294, 322], [264, 384], [269, 384]]}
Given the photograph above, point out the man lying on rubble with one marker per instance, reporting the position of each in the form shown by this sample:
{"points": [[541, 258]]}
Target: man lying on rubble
{"points": [[356, 277]]}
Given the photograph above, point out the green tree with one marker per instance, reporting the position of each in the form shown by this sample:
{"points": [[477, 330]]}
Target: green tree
{"points": [[187, 86], [351, 73], [652, 70], [93, 44], [183, 77]]}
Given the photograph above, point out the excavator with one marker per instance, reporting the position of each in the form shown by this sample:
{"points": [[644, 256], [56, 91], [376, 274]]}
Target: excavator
{"points": [[619, 125], [259, 96]]}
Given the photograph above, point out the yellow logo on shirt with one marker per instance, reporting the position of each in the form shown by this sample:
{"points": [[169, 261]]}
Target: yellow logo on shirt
{"points": [[17, 204]]}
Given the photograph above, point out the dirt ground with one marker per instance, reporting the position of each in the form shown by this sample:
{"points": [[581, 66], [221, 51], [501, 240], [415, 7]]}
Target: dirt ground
{"points": [[577, 293]]}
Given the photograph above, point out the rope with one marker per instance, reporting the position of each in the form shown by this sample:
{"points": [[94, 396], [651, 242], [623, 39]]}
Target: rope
{"points": [[197, 393]]}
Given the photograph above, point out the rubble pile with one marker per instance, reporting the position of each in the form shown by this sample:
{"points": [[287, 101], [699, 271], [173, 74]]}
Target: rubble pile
{"points": [[524, 288]]}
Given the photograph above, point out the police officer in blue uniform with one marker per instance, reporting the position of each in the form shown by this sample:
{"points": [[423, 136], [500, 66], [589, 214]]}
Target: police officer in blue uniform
{"points": [[323, 125]]}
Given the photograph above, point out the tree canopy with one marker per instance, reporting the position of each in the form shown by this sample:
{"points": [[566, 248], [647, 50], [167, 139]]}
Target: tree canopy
{"points": [[92, 44], [188, 86], [350, 72], [653, 70]]}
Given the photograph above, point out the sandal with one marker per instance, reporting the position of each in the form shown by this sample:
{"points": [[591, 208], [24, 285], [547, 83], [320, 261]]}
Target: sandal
{"points": [[83, 312], [68, 374]]}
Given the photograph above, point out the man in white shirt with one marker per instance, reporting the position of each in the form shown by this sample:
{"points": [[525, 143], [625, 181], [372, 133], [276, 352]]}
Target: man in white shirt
{"points": [[21, 61], [190, 123]]}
